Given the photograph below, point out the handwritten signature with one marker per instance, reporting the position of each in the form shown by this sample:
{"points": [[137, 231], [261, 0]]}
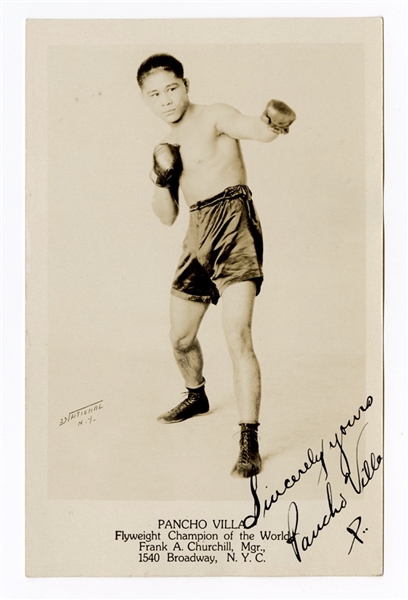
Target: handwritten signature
{"points": [[355, 475], [293, 520], [354, 532]]}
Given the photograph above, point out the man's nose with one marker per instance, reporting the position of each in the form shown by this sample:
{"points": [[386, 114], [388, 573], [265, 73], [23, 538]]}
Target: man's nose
{"points": [[166, 100]]}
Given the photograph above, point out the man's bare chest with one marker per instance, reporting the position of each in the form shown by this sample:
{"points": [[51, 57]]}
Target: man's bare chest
{"points": [[197, 144]]}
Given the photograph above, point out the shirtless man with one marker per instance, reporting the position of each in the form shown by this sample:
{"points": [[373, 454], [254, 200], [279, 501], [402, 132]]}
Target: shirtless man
{"points": [[222, 252]]}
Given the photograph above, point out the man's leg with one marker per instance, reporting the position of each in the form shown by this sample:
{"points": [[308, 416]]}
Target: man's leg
{"points": [[238, 303], [186, 317]]}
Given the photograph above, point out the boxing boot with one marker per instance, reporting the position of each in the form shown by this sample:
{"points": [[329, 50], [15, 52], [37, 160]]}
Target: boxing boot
{"points": [[249, 461], [196, 403]]}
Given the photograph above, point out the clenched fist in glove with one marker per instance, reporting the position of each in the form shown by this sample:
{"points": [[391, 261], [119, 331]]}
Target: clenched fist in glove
{"points": [[167, 166], [278, 116]]}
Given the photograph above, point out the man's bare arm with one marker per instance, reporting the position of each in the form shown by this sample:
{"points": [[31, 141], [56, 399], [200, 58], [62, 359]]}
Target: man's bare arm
{"points": [[262, 129], [165, 205]]}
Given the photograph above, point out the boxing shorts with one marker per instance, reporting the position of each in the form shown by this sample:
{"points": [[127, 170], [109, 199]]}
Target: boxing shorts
{"points": [[223, 245]]}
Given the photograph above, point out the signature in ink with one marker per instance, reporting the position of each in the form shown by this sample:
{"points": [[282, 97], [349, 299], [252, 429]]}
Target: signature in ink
{"points": [[362, 476], [357, 480], [354, 532], [351, 422], [293, 520], [313, 459], [356, 473]]}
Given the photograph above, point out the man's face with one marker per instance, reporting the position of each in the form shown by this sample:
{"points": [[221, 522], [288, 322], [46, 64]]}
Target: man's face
{"points": [[166, 95]]}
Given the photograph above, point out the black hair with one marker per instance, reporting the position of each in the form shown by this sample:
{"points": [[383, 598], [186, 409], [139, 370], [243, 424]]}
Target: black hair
{"points": [[159, 61]]}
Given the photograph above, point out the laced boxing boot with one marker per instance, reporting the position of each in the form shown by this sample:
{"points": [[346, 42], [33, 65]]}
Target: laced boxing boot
{"points": [[249, 461], [196, 403]]}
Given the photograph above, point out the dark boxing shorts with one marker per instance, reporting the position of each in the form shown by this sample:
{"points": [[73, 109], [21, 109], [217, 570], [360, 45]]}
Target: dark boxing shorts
{"points": [[223, 245]]}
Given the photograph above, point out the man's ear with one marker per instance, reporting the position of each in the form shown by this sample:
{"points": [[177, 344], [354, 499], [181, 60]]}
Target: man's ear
{"points": [[143, 97], [187, 84]]}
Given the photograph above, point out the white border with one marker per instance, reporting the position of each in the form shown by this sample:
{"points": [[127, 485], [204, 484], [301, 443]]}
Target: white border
{"points": [[15, 585]]}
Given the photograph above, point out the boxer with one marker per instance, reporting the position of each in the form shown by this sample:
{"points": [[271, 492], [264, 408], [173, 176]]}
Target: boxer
{"points": [[223, 248]]}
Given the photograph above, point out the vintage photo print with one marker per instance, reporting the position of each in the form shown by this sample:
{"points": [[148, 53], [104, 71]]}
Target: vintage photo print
{"points": [[204, 298]]}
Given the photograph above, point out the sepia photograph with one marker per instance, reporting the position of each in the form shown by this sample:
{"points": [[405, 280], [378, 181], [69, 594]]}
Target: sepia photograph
{"points": [[204, 367]]}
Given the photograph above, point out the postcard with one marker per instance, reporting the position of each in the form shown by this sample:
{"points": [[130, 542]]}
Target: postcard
{"points": [[204, 202]]}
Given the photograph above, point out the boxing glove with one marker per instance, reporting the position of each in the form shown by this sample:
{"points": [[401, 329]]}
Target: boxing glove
{"points": [[278, 116], [167, 165]]}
